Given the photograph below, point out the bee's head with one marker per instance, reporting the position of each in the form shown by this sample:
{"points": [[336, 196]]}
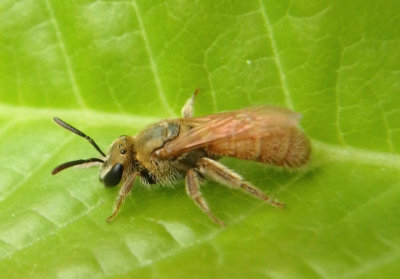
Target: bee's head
{"points": [[117, 162], [114, 165]]}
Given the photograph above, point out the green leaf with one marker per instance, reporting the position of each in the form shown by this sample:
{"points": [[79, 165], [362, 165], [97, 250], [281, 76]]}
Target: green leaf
{"points": [[112, 67]]}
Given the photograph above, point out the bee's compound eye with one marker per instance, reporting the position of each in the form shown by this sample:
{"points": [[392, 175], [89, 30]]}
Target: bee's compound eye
{"points": [[113, 177]]}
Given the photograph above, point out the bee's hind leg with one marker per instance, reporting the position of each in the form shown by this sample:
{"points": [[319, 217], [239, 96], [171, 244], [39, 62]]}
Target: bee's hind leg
{"points": [[225, 176], [187, 109], [192, 186]]}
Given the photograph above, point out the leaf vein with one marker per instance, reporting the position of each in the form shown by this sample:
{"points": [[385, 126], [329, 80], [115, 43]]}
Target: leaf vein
{"points": [[337, 102], [67, 61], [35, 170], [352, 154], [277, 59], [153, 64]]}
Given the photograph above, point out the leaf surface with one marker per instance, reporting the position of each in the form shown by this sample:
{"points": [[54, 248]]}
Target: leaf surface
{"points": [[112, 67]]}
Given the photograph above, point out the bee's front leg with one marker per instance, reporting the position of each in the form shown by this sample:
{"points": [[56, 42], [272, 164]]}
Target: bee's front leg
{"points": [[193, 190], [225, 176], [123, 193], [187, 109]]}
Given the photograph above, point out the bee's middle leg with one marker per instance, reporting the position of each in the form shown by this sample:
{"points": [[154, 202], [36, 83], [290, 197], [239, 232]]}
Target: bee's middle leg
{"points": [[192, 186], [225, 176]]}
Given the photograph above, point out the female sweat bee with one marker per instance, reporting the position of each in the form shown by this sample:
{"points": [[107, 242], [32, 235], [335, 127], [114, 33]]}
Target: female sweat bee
{"points": [[189, 148]]}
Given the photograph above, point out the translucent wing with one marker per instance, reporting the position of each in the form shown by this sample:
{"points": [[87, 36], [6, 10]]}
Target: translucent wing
{"points": [[238, 125]]}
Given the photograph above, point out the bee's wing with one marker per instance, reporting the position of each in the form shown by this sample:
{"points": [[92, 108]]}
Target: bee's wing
{"points": [[240, 124]]}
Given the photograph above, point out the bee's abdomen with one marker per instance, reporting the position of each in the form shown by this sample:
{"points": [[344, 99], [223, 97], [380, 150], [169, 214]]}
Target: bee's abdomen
{"points": [[282, 146]]}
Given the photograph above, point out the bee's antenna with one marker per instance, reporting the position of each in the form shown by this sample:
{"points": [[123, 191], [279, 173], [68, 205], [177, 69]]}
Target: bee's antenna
{"points": [[79, 133], [76, 162]]}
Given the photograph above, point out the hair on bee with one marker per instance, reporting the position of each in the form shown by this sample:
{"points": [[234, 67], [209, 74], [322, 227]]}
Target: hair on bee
{"points": [[189, 148]]}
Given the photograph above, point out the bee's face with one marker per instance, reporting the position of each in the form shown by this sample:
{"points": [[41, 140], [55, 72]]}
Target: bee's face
{"points": [[117, 162]]}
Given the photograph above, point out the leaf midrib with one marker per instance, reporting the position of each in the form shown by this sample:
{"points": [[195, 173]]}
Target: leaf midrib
{"points": [[97, 118]]}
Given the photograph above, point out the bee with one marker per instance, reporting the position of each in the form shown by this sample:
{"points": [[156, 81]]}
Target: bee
{"points": [[190, 147]]}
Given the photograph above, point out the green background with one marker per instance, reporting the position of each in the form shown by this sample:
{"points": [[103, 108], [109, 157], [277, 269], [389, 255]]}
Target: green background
{"points": [[112, 67]]}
